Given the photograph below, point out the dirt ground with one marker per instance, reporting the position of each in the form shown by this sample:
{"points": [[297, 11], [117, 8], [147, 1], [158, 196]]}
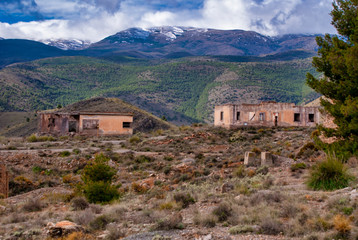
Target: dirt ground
{"points": [[189, 183]]}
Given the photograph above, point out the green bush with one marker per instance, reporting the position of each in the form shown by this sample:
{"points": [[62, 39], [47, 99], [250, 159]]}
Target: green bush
{"points": [[134, 139], [76, 151], [298, 166], [185, 199], [100, 192], [98, 170], [32, 138], [241, 229], [330, 174], [65, 154], [97, 177]]}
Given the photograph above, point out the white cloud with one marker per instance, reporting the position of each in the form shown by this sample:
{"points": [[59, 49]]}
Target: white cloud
{"points": [[85, 21]]}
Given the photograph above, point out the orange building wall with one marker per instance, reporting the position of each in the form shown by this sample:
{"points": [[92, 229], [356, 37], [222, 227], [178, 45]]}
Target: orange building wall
{"points": [[108, 124]]}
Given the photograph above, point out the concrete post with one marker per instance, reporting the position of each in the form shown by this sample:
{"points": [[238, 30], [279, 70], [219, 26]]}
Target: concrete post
{"points": [[266, 159], [249, 159]]}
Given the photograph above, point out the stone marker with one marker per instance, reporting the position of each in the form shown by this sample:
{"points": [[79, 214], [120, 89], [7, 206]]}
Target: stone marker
{"points": [[249, 159], [266, 159]]}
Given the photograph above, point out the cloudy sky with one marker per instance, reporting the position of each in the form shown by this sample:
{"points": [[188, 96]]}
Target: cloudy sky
{"points": [[95, 19]]}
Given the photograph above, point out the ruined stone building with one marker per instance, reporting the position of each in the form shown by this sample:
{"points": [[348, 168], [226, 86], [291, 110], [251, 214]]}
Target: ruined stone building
{"points": [[85, 123], [4, 181], [266, 114]]}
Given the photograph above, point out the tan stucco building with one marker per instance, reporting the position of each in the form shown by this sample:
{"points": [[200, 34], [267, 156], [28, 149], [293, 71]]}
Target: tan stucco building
{"points": [[266, 114], [85, 123]]}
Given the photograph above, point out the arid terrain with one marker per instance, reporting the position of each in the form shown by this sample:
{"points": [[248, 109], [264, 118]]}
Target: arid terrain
{"points": [[185, 183]]}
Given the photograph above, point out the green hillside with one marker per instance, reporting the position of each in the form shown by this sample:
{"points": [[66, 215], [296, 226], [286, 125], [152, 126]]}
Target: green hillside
{"points": [[183, 90]]}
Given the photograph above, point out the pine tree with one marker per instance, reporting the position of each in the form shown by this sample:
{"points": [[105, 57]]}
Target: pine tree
{"points": [[338, 61]]}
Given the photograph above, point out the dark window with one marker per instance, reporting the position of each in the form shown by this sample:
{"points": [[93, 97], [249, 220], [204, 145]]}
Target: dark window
{"points": [[126, 124], [262, 117], [72, 126], [311, 117], [51, 122], [90, 123], [238, 116], [221, 116], [297, 117]]}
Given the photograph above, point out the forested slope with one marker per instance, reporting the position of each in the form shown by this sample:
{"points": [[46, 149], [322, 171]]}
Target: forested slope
{"points": [[182, 90]]}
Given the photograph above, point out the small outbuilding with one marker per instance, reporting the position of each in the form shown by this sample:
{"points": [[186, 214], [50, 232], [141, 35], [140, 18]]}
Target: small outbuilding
{"points": [[86, 123], [268, 114]]}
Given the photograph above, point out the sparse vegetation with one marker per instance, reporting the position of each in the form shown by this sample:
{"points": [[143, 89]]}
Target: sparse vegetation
{"points": [[330, 174], [203, 188]]}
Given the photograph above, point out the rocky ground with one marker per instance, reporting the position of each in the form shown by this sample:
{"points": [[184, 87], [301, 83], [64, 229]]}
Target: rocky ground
{"points": [[188, 183]]}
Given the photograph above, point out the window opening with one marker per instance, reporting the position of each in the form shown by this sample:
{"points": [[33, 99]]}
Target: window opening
{"points": [[126, 124], [297, 117], [221, 116], [262, 117], [90, 123], [238, 116], [311, 117]]}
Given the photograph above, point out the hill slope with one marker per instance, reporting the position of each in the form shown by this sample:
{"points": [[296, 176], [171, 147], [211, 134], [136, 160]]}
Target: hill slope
{"points": [[183, 90], [18, 50]]}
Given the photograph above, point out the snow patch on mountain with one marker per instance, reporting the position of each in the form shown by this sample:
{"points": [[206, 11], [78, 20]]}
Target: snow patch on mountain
{"points": [[67, 44]]}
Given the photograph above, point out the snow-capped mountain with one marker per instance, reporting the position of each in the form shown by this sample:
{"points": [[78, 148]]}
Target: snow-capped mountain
{"points": [[186, 41], [67, 44]]}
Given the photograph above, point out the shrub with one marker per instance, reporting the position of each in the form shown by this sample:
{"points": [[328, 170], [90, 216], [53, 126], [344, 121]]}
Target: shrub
{"points": [[222, 212], [84, 217], [171, 222], [209, 221], [69, 179], [134, 139], [167, 170], [262, 170], [240, 171], [167, 206], [298, 166], [100, 192], [98, 170], [184, 199], [79, 203], [342, 225], [76, 151], [78, 236], [330, 174], [256, 150], [114, 233], [32, 138], [139, 188], [241, 229], [100, 222], [143, 159], [32, 205], [64, 154], [307, 149], [271, 227]]}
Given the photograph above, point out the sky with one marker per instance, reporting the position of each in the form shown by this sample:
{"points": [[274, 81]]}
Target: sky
{"points": [[94, 20]]}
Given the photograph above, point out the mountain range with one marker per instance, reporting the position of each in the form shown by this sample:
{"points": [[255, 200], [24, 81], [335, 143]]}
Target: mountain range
{"points": [[160, 42]]}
